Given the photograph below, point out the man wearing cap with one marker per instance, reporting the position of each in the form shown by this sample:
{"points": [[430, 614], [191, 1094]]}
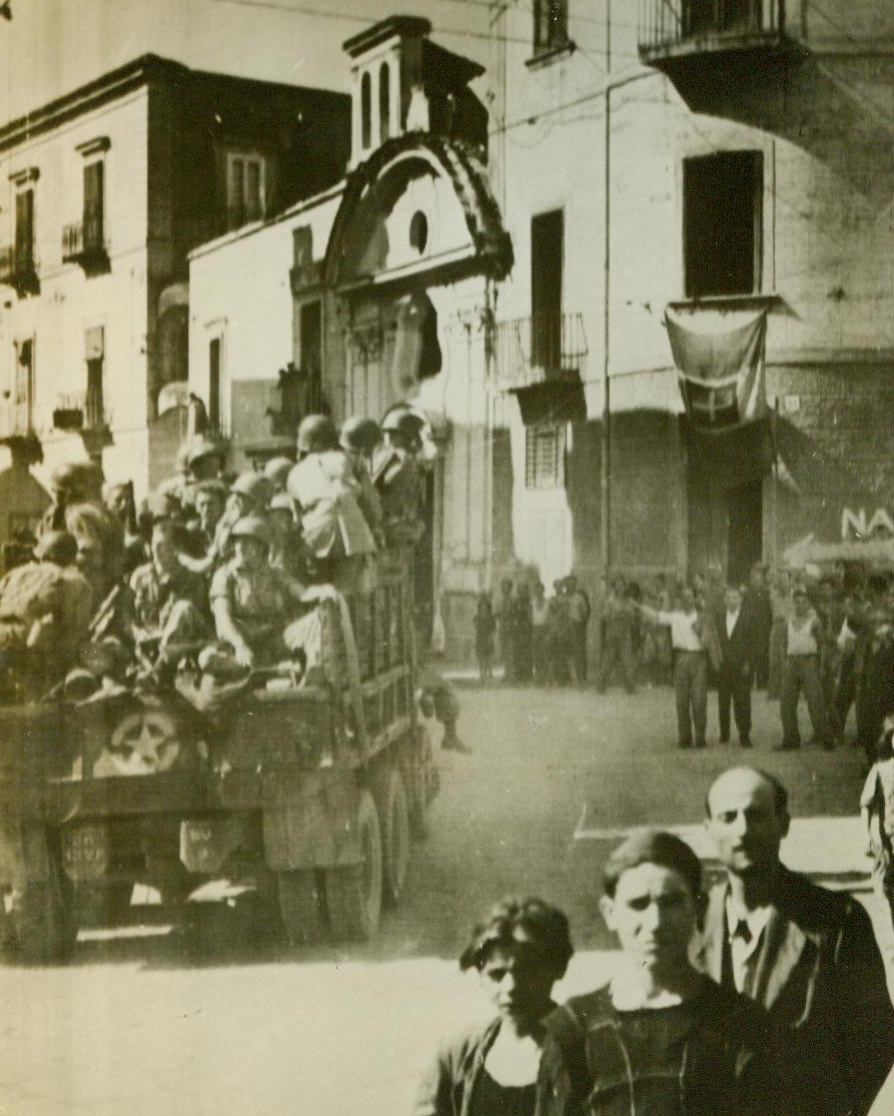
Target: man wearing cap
{"points": [[807, 954], [45, 609], [801, 673], [252, 603]]}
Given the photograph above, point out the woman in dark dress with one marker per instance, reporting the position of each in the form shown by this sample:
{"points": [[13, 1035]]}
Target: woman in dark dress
{"points": [[520, 950]]}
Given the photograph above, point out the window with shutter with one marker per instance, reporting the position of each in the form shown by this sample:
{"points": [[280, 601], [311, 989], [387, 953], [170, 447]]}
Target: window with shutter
{"points": [[246, 189], [94, 207], [550, 25], [24, 245]]}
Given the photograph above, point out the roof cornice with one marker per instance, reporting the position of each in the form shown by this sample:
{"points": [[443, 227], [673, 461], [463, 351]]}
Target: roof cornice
{"points": [[95, 93]]}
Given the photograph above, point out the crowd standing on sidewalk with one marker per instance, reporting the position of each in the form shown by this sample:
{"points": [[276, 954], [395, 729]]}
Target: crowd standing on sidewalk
{"points": [[829, 640]]}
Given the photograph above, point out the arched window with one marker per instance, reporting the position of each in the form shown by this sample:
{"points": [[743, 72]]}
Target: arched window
{"points": [[384, 102], [365, 111]]}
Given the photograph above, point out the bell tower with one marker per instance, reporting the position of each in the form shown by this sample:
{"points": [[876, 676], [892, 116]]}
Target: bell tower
{"points": [[404, 83]]}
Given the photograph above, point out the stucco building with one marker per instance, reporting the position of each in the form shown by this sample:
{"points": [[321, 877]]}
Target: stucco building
{"points": [[699, 176], [727, 160], [109, 187]]}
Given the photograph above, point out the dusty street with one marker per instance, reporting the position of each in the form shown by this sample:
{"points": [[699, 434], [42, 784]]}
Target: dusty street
{"points": [[142, 1027]]}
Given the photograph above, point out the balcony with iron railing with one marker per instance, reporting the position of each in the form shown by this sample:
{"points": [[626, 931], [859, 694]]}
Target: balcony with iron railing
{"points": [[538, 349], [18, 269], [673, 33], [80, 410], [83, 243]]}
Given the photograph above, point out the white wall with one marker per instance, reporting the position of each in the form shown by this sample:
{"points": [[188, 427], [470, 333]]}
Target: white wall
{"points": [[239, 291], [69, 301]]}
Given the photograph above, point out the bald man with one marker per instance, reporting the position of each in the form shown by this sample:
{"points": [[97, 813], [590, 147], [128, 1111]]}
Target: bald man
{"points": [[807, 954]]}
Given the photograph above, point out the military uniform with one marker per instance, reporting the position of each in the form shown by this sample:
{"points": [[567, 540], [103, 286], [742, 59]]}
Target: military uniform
{"points": [[259, 604], [168, 607]]}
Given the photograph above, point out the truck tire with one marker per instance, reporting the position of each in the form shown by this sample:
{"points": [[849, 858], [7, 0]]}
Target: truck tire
{"points": [[422, 781], [354, 895], [394, 822], [47, 924], [299, 906]]}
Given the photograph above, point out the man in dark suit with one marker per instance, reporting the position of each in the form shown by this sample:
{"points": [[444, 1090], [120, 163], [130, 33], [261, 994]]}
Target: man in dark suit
{"points": [[738, 644], [805, 953]]}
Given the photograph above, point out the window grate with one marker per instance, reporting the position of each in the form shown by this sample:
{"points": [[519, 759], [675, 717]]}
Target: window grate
{"points": [[545, 456]]}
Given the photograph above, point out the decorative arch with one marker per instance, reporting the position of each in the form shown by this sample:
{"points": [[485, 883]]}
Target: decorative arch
{"points": [[418, 203]]}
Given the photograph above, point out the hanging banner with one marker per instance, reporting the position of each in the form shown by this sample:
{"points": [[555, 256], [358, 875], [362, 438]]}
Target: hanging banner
{"points": [[719, 355]]}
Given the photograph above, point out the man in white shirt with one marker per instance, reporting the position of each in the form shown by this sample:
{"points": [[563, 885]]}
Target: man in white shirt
{"points": [[690, 667], [801, 672]]}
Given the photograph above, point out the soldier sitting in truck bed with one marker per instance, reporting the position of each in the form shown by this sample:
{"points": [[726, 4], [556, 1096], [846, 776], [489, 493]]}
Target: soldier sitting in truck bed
{"points": [[168, 602], [327, 501], [251, 603]]}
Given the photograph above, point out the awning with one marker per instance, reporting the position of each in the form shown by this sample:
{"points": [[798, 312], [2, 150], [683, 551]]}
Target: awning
{"points": [[719, 356], [874, 553], [553, 401]]}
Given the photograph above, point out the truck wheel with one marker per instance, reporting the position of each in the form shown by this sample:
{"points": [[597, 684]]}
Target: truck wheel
{"points": [[299, 907], [394, 822], [47, 924], [422, 779], [354, 895]]}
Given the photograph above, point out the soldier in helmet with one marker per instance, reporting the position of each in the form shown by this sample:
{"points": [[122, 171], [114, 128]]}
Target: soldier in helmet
{"points": [[359, 438], [249, 494], [167, 601], [75, 482], [286, 547], [327, 496], [252, 603], [45, 608], [277, 472], [397, 475]]}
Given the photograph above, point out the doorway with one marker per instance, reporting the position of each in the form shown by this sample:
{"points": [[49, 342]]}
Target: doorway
{"points": [[744, 516]]}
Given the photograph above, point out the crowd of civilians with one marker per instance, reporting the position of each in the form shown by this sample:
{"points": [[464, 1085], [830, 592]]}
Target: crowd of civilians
{"points": [[537, 638], [829, 638]]}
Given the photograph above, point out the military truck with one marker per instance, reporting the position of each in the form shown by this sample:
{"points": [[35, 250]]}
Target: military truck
{"points": [[308, 786]]}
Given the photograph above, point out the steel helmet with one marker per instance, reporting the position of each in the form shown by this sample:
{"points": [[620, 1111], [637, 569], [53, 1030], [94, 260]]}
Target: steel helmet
{"points": [[361, 435], [277, 470], [254, 486], [78, 479], [403, 420], [316, 434], [203, 447], [252, 527], [56, 546]]}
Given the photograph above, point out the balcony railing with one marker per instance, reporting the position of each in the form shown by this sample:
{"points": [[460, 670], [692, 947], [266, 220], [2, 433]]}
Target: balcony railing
{"points": [[669, 26], [83, 242], [19, 270], [80, 410], [540, 348]]}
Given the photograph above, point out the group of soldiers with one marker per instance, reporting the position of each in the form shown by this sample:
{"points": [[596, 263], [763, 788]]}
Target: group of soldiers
{"points": [[209, 567]]}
